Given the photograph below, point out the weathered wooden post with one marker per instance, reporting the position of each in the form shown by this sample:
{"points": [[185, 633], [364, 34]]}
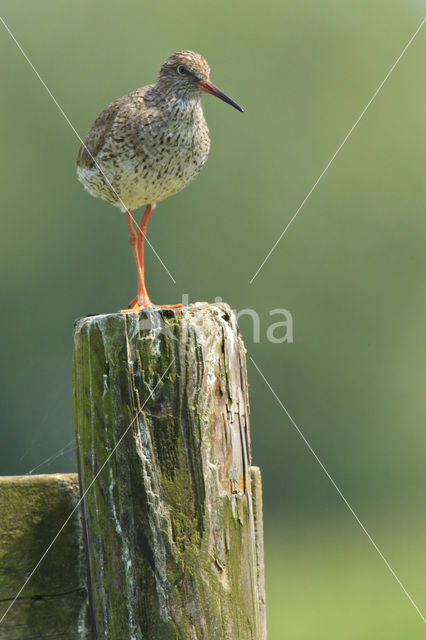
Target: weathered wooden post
{"points": [[173, 508]]}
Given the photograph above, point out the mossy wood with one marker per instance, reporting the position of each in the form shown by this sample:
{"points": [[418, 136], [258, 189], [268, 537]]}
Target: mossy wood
{"points": [[53, 605], [174, 514]]}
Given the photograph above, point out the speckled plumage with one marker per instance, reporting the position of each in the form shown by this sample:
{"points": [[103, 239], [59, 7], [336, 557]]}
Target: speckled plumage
{"points": [[151, 143]]}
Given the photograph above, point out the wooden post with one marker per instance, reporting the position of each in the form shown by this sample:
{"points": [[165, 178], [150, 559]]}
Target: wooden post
{"points": [[174, 530], [54, 603]]}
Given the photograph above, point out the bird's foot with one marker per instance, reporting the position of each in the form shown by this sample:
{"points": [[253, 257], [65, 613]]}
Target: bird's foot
{"points": [[134, 306]]}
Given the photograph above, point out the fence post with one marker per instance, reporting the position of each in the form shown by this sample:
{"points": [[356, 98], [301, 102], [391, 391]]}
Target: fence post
{"points": [[173, 529]]}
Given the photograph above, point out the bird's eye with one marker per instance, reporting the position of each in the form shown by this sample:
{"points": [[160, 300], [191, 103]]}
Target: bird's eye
{"points": [[182, 70]]}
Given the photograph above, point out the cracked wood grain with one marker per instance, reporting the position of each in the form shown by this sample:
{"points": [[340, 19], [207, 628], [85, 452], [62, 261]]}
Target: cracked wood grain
{"points": [[172, 525]]}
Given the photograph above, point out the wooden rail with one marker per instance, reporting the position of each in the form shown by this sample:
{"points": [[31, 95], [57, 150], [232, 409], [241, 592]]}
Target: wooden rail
{"points": [[54, 603]]}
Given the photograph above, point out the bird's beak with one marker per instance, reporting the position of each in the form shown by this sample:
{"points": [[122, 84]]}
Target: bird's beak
{"points": [[208, 87]]}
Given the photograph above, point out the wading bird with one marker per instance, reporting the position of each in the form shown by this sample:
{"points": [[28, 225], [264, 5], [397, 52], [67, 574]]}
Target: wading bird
{"points": [[149, 145]]}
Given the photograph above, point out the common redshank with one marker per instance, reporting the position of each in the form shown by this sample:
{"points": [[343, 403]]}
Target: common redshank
{"points": [[149, 145]]}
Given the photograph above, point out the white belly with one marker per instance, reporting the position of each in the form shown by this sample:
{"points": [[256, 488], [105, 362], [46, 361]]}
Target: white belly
{"points": [[132, 176]]}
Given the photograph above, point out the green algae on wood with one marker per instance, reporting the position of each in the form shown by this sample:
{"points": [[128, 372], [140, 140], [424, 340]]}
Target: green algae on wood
{"points": [[162, 425], [54, 602]]}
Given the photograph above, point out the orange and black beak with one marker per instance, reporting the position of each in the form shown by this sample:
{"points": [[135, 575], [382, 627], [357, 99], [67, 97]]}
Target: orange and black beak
{"points": [[208, 87]]}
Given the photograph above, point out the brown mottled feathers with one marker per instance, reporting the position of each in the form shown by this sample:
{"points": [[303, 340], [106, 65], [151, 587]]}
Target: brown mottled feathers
{"points": [[152, 142], [95, 138]]}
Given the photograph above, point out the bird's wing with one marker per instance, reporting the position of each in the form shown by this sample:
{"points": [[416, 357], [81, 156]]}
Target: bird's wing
{"points": [[98, 134]]}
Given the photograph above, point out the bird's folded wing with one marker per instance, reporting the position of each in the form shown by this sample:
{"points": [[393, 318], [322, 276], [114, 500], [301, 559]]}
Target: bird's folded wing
{"points": [[98, 134]]}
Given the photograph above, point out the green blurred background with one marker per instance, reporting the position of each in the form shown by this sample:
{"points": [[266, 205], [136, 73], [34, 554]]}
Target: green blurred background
{"points": [[350, 270]]}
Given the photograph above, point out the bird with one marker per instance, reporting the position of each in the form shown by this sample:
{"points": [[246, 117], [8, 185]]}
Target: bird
{"points": [[147, 146]]}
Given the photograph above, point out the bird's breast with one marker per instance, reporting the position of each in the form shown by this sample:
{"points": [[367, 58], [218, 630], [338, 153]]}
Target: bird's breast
{"points": [[176, 139], [170, 151], [150, 154]]}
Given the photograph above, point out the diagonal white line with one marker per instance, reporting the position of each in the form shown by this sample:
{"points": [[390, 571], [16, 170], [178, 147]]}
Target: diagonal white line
{"points": [[338, 490], [151, 395], [70, 446], [81, 140], [329, 163]]}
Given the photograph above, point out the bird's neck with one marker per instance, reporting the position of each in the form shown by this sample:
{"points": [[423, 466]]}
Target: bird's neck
{"points": [[178, 104]]}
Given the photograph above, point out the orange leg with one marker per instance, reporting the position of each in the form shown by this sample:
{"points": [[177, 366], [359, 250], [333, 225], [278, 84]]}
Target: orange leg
{"points": [[137, 240], [141, 235]]}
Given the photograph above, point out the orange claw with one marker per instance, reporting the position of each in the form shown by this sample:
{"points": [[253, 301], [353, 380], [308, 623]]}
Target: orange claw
{"points": [[134, 306]]}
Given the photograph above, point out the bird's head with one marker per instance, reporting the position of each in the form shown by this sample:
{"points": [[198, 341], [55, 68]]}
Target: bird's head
{"points": [[187, 74]]}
